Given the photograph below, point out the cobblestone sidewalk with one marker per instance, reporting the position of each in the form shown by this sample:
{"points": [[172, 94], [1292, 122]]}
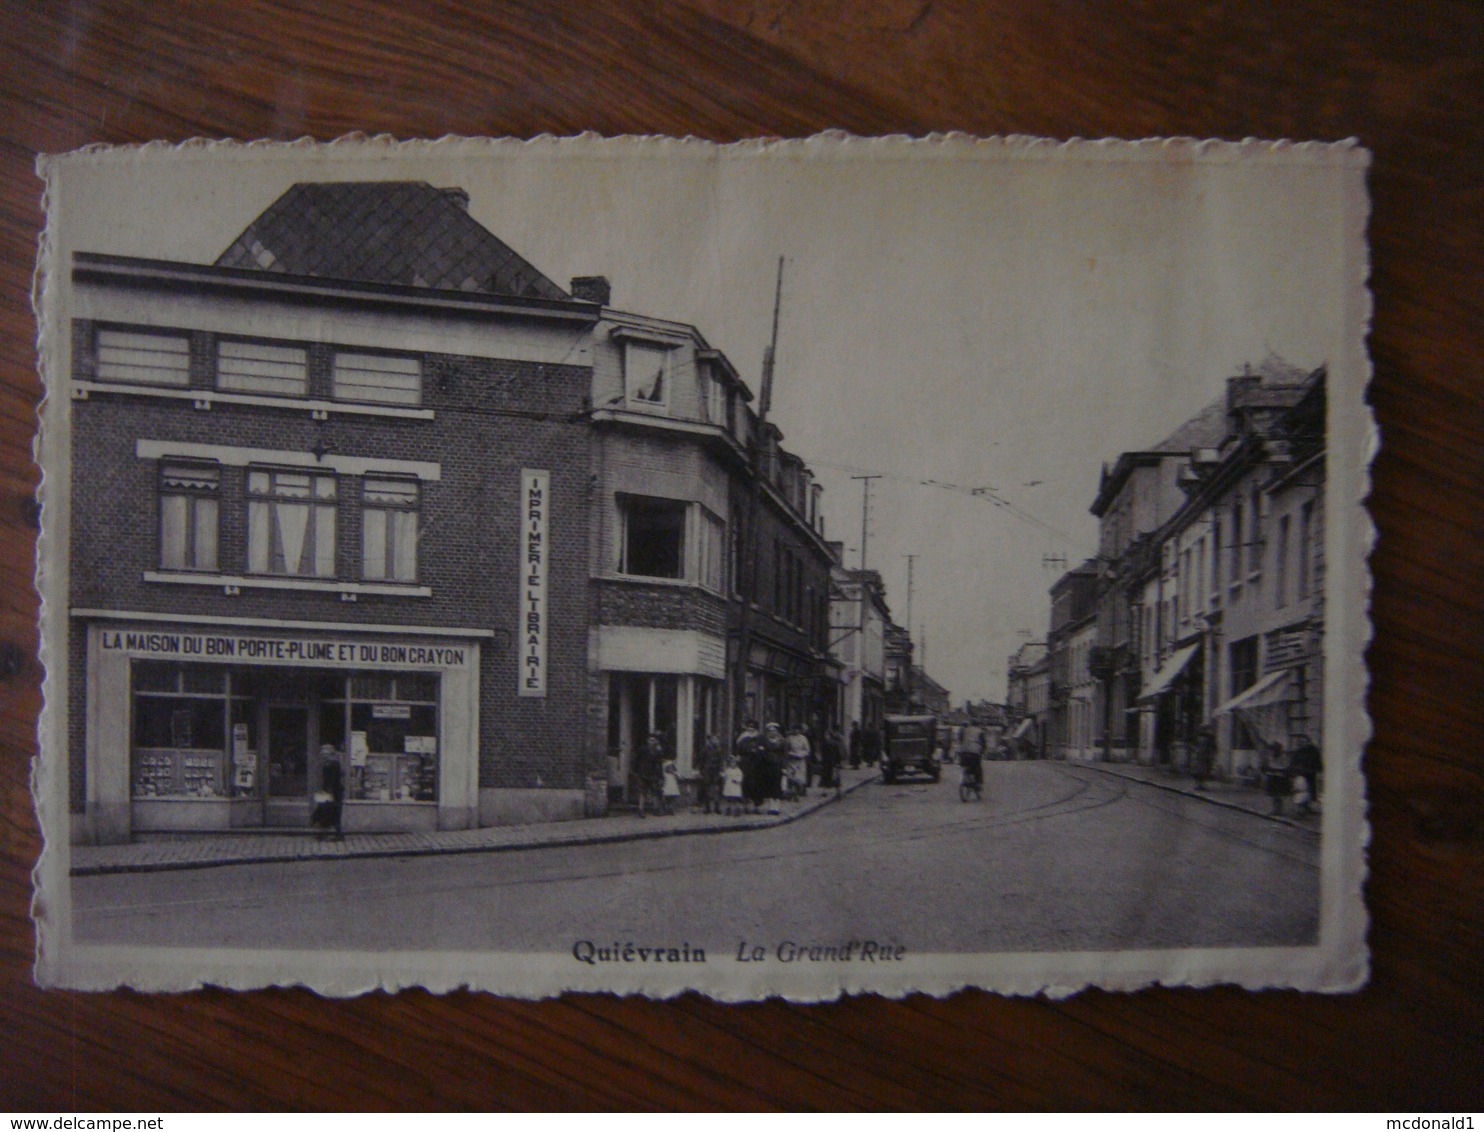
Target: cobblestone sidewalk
{"points": [[207, 850], [1232, 795]]}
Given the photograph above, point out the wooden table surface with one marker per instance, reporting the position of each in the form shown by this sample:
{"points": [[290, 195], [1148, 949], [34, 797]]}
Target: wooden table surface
{"points": [[1407, 79]]}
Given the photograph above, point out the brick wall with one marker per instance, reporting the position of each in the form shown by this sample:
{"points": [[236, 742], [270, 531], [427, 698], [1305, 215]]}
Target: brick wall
{"points": [[469, 546], [658, 606]]}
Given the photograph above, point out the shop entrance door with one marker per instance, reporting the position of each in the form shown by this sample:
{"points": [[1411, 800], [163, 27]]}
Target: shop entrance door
{"points": [[288, 731]]}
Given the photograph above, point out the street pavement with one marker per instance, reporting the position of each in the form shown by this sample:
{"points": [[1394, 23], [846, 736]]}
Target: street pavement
{"points": [[1058, 856], [168, 852]]}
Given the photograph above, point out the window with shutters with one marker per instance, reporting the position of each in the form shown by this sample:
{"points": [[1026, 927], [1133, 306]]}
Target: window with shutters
{"points": [[189, 510], [389, 530], [257, 367], [385, 379], [291, 523], [134, 357]]}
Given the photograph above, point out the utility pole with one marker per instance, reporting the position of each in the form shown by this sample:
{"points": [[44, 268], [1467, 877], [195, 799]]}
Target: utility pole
{"points": [[865, 513], [757, 444], [865, 595], [907, 676]]}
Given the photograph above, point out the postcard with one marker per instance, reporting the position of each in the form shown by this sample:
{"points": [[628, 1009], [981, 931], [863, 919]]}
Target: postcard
{"points": [[795, 568]]}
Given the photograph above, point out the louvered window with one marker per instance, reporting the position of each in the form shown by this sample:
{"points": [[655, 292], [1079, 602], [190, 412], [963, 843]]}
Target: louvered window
{"points": [[383, 378], [255, 367], [135, 358], [189, 509]]}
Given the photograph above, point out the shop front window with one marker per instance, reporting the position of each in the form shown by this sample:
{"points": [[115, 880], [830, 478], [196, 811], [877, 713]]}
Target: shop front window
{"points": [[388, 726], [179, 731]]}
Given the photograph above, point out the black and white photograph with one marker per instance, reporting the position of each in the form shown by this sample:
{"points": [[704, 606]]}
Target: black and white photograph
{"points": [[787, 568]]}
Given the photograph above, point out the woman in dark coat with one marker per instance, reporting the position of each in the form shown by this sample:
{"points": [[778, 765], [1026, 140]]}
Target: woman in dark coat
{"points": [[329, 813], [1276, 776], [649, 772]]}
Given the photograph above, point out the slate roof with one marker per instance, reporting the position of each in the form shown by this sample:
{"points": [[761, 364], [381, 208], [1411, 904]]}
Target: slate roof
{"points": [[1207, 429], [400, 232]]}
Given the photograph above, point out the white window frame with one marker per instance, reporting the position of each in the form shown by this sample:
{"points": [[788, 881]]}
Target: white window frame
{"points": [[199, 549], [264, 506], [267, 369], [397, 525], [366, 366], [142, 357], [623, 502], [661, 349]]}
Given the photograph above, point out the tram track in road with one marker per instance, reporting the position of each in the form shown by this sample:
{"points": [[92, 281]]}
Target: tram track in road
{"points": [[1079, 794], [321, 889]]}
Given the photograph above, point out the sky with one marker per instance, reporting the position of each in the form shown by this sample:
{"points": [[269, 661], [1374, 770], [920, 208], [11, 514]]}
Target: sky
{"points": [[995, 315]]}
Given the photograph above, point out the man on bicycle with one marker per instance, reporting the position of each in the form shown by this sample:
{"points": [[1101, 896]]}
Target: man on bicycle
{"points": [[971, 755]]}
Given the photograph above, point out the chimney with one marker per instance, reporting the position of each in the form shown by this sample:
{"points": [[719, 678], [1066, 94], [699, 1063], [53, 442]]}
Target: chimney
{"points": [[592, 289], [458, 196]]}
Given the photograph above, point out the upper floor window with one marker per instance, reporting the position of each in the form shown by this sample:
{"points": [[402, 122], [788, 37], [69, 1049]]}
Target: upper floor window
{"points": [[652, 536], [389, 529], [1236, 563], [383, 378], [711, 552], [1254, 546], [143, 357], [1305, 534], [647, 373], [189, 509], [291, 523], [713, 398], [1280, 565], [255, 367]]}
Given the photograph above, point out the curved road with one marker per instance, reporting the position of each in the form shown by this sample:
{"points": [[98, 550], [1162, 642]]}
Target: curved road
{"points": [[1055, 857]]}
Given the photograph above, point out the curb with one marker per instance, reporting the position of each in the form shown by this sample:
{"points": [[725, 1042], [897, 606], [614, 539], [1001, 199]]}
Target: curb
{"points": [[649, 833], [1172, 788]]}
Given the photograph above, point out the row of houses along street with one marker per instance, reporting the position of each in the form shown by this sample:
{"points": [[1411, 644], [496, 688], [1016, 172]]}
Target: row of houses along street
{"points": [[372, 489], [1204, 606]]}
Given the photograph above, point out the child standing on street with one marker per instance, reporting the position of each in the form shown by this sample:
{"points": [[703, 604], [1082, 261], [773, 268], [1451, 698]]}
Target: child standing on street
{"points": [[731, 787], [670, 793]]}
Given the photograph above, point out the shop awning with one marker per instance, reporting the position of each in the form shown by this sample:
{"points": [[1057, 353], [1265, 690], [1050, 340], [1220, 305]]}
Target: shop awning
{"points": [[1264, 706], [1272, 689], [1168, 671], [1026, 725]]}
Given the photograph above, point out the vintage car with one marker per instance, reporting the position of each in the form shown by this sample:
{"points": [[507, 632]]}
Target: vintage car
{"points": [[909, 743]]}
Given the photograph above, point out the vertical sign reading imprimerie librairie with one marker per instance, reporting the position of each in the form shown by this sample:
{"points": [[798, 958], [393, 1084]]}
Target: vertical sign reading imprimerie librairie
{"points": [[535, 504]]}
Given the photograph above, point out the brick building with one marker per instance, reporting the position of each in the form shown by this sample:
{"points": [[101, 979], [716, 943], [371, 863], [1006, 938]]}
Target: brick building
{"points": [[329, 502]]}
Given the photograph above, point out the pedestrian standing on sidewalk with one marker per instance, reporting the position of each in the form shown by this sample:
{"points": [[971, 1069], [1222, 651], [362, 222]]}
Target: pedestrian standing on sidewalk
{"points": [[1306, 763], [731, 787], [797, 748], [649, 773], [708, 787], [749, 752], [670, 790], [329, 805], [855, 744], [829, 759], [1203, 757], [871, 745], [775, 752], [1276, 775]]}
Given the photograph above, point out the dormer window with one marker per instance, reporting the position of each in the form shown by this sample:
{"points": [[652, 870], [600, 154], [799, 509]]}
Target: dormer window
{"points": [[647, 374]]}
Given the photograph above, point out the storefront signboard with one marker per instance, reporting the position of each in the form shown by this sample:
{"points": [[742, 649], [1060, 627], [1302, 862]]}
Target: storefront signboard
{"points": [[246, 648], [535, 505]]}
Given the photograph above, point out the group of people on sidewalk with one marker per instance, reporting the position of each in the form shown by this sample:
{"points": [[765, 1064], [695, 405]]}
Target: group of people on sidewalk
{"points": [[765, 768], [1285, 773]]}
